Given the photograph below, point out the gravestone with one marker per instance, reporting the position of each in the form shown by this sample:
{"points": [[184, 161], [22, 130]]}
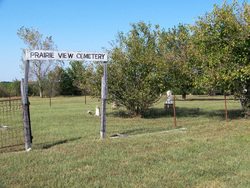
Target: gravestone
{"points": [[97, 111], [169, 102]]}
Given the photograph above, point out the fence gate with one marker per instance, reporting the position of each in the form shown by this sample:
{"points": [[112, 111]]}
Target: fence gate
{"points": [[11, 123]]}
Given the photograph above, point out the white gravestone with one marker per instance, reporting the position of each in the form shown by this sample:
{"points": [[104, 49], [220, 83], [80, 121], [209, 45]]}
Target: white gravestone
{"points": [[169, 102], [169, 97], [97, 111]]}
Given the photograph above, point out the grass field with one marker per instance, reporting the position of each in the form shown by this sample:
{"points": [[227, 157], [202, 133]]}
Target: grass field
{"points": [[67, 150]]}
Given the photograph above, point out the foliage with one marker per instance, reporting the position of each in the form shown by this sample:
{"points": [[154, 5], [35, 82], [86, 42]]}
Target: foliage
{"points": [[34, 41], [80, 75], [66, 84], [53, 79], [136, 73], [222, 49], [10, 88], [175, 47], [95, 72], [3, 90], [16, 88], [33, 89]]}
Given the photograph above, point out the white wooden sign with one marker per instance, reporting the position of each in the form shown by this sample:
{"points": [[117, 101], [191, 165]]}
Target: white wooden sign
{"points": [[65, 55]]}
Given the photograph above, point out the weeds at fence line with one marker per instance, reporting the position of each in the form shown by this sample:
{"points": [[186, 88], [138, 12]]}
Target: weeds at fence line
{"points": [[11, 123]]}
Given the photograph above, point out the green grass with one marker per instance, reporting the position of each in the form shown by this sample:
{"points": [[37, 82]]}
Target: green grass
{"points": [[67, 150]]}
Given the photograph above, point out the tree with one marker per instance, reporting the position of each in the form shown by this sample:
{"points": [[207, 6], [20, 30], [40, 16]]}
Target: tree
{"points": [[34, 41], [95, 73], [136, 73], [15, 88], [66, 84], [222, 48], [73, 79], [81, 72], [3, 90], [53, 81], [175, 46]]}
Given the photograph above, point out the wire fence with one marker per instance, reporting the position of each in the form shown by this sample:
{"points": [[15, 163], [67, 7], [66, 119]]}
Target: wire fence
{"points": [[194, 111], [11, 123], [182, 113]]}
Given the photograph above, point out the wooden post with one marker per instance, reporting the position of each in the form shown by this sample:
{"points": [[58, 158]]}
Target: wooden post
{"points": [[104, 97], [25, 103]]}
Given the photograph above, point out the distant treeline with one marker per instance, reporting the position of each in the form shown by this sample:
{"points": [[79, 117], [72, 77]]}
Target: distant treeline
{"points": [[12, 89], [65, 86]]}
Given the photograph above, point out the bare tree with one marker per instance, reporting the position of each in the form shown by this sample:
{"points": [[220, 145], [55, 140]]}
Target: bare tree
{"points": [[34, 41]]}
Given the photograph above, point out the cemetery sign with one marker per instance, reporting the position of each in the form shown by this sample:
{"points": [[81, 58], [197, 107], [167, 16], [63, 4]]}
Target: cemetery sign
{"points": [[65, 55], [51, 55]]}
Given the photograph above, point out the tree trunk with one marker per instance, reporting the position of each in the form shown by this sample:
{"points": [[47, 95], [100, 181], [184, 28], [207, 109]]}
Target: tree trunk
{"points": [[245, 105], [184, 95], [41, 93], [40, 89]]}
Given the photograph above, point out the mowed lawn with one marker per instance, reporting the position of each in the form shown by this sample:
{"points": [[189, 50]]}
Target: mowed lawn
{"points": [[202, 151]]}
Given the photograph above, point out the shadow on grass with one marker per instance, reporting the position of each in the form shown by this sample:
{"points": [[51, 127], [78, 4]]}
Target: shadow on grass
{"points": [[59, 142], [154, 113], [192, 112], [160, 113], [129, 132], [120, 113], [210, 99], [232, 114], [169, 112]]}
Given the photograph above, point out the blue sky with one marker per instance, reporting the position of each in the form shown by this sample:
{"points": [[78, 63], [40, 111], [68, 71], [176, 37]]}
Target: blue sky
{"points": [[84, 25]]}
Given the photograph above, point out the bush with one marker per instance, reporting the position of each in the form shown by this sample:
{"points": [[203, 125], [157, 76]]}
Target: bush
{"points": [[3, 91]]}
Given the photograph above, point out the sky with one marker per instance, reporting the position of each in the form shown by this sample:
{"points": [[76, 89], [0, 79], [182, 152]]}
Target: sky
{"points": [[84, 25]]}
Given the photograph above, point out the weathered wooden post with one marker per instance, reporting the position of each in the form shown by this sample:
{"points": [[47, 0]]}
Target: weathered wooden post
{"points": [[104, 97], [25, 103]]}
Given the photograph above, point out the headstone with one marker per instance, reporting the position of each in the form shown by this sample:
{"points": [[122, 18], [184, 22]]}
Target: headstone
{"points": [[5, 127], [97, 111], [113, 105], [169, 102]]}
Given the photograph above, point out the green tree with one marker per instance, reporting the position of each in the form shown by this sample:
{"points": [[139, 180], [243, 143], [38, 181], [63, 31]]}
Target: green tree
{"points": [[175, 46], [95, 73], [136, 73], [34, 41], [4, 92], [81, 72], [222, 49], [15, 88], [53, 82], [66, 84], [73, 79]]}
